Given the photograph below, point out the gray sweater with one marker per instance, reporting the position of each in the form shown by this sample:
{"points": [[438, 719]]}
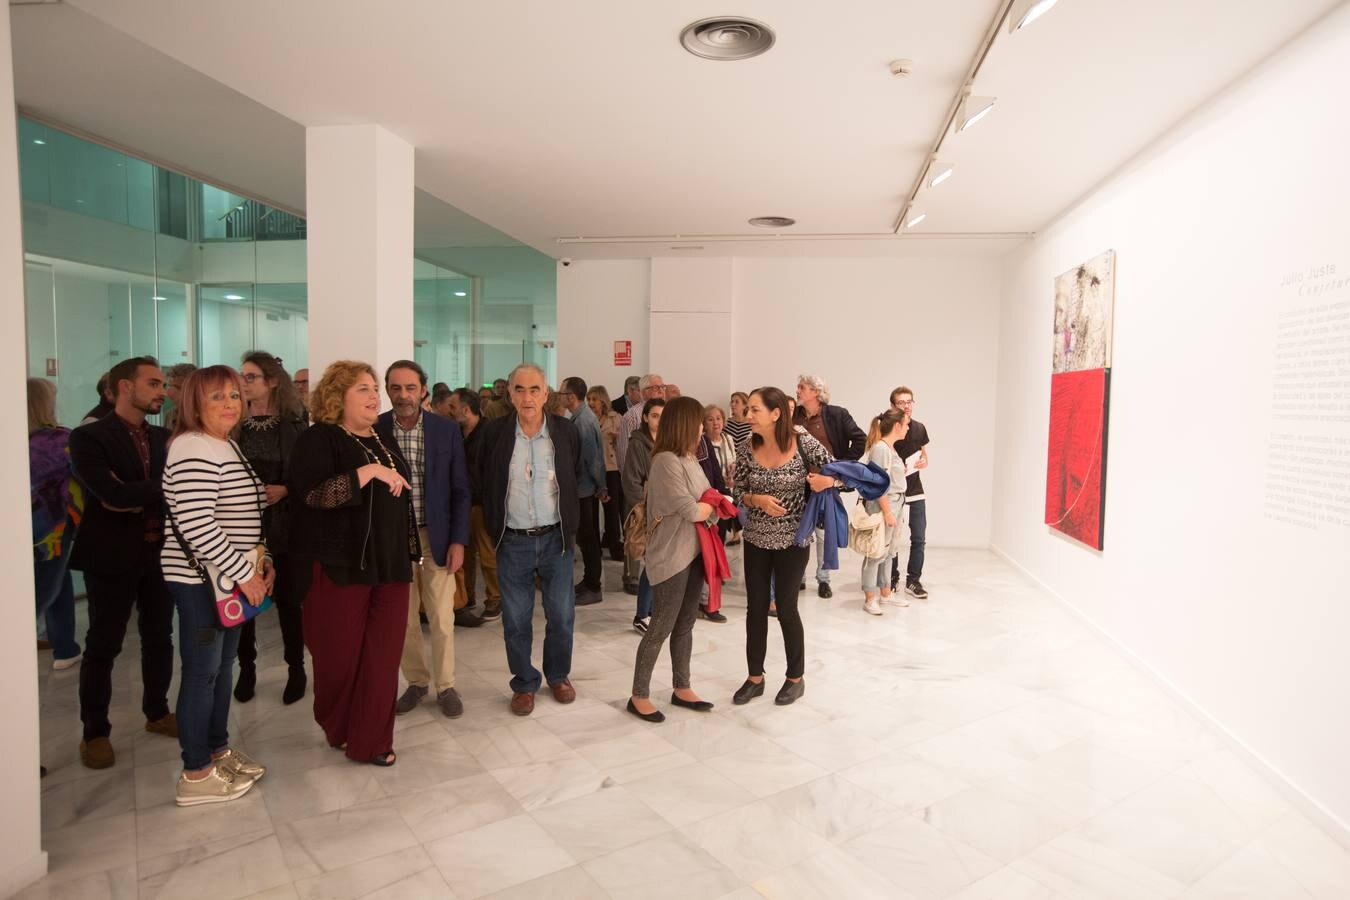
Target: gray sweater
{"points": [[673, 491]]}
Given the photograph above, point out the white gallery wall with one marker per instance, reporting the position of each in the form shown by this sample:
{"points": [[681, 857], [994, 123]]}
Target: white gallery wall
{"points": [[866, 325], [22, 859], [1227, 515]]}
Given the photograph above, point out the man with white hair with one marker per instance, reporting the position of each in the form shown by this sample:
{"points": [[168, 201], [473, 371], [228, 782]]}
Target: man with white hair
{"points": [[652, 387], [529, 467], [836, 430]]}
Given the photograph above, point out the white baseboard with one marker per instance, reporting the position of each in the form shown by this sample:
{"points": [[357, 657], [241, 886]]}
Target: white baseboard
{"points": [[1329, 822], [25, 873]]}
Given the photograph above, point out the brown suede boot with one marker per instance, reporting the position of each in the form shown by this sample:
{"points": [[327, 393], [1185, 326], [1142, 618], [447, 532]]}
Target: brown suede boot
{"points": [[97, 753]]}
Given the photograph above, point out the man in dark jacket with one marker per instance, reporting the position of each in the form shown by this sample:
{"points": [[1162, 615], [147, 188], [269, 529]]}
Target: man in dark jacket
{"points": [[836, 430], [434, 451], [119, 460], [480, 552], [529, 467]]}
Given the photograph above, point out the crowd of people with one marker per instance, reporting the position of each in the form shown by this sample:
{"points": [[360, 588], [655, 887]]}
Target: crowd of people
{"points": [[369, 533]]}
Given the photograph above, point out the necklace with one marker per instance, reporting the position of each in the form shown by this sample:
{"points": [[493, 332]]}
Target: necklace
{"points": [[380, 449], [261, 423]]}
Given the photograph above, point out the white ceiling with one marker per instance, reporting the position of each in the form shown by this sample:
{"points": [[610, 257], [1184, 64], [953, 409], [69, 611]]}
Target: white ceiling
{"points": [[553, 120]]}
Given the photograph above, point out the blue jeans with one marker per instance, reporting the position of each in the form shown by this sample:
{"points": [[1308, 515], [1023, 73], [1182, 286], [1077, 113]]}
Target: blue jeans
{"points": [[519, 558], [207, 651], [56, 604], [918, 528], [644, 601], [822, 573]]}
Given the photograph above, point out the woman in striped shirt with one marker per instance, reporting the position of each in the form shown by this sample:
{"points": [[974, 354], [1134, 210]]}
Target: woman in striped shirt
{"points": [[215, 505]]}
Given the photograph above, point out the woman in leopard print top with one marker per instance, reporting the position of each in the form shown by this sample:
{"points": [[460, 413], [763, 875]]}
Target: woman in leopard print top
{"points": [[775, 468]]}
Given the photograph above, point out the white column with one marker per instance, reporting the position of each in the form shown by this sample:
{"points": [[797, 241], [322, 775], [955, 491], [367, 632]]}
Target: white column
{"points": [[359, 214], [22, 859]]}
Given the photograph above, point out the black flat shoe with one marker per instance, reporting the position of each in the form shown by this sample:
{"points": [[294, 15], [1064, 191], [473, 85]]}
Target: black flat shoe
{"points": [[711, 616], [790, 692], [747, 692], [245, 684], [823, 590], [384, 760], [655, 716], [695, 705], [296, 681]]}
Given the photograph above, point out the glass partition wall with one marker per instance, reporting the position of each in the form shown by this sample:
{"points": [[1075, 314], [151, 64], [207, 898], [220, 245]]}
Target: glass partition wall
{"points": [[125, 258]]}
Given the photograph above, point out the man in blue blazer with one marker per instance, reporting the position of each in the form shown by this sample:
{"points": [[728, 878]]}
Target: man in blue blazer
{"points": [[434, 449]]}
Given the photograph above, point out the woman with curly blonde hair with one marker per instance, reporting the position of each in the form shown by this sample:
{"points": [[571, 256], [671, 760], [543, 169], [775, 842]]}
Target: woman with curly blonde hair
{"points": [[354, 536]]}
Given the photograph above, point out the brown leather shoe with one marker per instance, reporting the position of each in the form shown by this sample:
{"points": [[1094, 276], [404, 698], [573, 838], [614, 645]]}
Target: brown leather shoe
{"points": [[167, 726], [97, 754], [522, 704], [563, 691]]}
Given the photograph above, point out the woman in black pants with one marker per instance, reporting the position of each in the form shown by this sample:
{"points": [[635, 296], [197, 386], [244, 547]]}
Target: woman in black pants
{"points": [[775, 468], [597, 398], [266, 436]]}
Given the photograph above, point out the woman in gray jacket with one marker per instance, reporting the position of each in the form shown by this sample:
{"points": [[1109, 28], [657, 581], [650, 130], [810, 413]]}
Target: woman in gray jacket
{"points": [[637, 464], [674, 564]]}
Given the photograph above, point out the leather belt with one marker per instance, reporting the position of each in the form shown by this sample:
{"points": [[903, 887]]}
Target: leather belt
{"points": [[533, 532]]}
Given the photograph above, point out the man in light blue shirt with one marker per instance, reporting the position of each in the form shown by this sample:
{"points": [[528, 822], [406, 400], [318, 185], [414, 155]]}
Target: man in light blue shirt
{"points": [[529, 465], [591, 489]]}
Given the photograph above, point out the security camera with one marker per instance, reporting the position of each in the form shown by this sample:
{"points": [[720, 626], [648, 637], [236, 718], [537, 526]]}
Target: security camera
{"points": [[567, 260]]}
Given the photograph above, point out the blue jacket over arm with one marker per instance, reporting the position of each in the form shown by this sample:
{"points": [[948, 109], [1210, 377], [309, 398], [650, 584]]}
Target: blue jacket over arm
{"points": [[445, 481]]}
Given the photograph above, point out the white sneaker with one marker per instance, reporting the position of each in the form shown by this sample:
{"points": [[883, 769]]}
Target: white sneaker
{"points": [[871, 606], [219, 786], [897, 598], [62, 664]]}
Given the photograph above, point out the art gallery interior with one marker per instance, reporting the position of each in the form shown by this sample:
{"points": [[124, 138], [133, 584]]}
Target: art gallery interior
{"points": [[1151, 703]]}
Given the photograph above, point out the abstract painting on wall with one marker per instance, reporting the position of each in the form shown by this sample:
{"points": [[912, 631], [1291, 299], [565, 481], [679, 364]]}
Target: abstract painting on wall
{"points": [[1080, 389], [1084, 297]]}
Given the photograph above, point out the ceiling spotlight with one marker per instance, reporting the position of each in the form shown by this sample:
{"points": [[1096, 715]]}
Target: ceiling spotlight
{"points": [[40, 142], [772, 221], [1024, 12], [156, 298], [461, 293], [972, 110], [234, 297], [939, 172], [725, 38], [914, 217]]}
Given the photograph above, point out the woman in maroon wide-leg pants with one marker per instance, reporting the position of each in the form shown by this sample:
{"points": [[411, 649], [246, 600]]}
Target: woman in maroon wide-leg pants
{"points": [[355, 635], [356, 535]]}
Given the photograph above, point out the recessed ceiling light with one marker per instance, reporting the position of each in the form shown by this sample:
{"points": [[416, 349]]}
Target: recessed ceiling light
{"points": [[461, 293], [939, 172], [234, 297], [1024, 12], [772, 221], [725, 38], [972, 110], [157, 298], [914, 217], [39, 141]]}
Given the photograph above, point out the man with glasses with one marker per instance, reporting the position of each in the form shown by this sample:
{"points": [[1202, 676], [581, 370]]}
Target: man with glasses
{"points": [[915, 442]]}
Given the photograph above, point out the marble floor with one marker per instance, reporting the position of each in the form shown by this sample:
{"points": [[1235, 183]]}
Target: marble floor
{"points": [[980, 745]]}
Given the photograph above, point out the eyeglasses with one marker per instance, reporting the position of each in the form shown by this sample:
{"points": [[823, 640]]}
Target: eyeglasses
{"points": [[250, 377]]}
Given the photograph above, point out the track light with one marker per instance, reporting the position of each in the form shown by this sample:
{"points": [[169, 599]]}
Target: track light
{"points": [[914, 217], [1024, 12], [939, 172], [972, 110]]}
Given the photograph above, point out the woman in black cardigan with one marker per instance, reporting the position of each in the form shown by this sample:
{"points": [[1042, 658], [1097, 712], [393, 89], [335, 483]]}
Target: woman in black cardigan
{"points": [[354, 530]]}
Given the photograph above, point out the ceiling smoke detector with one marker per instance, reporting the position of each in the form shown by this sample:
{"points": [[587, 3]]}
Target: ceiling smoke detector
{"points": [[772, 221], [727, 38]]}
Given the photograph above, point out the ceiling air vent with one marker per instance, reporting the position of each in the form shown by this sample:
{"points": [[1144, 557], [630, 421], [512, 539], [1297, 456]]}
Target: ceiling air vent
{"points": [[727, 38], [772, 221]]}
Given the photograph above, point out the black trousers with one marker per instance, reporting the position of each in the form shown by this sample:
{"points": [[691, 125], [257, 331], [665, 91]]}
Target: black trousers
{"points": [[613, 538], [786, 567], [288, 597], [111, 599], [588, 543]]}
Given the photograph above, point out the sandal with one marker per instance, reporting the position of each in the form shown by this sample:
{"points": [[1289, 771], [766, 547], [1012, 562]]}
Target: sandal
{"points": [[384, 760]]}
